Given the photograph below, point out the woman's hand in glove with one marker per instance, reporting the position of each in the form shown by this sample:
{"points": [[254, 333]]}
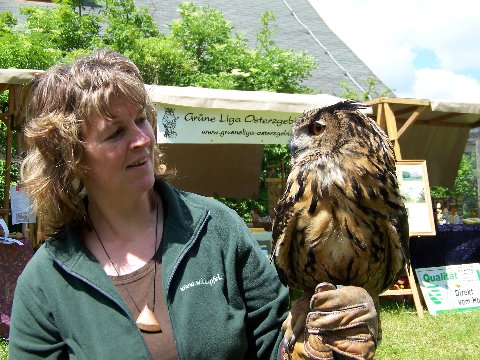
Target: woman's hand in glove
{"points": [[341, 321]]}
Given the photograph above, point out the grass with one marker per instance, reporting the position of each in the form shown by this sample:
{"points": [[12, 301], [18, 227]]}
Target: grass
{"points": [[446, 336], [3, 350]]}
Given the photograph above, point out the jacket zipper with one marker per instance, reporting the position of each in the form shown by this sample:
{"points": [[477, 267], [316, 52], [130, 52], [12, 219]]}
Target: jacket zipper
{"points": [[100, 290], [184, 252], [177, 263]]}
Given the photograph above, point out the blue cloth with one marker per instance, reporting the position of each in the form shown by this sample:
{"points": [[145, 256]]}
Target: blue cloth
{"points": [[453, 244]]}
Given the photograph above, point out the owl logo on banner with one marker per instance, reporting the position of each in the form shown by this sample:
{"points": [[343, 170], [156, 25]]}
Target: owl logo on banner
{"points": [[169, 122]]}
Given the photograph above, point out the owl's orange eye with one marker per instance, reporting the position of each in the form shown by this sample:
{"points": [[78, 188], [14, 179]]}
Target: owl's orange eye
{"points": [[317, 128]]}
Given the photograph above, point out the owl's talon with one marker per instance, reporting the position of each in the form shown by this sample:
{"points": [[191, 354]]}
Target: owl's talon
{"points": [[289, 343]]}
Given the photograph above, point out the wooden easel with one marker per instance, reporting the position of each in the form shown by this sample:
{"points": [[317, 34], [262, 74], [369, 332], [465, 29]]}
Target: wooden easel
{"points": [[386, 119]]}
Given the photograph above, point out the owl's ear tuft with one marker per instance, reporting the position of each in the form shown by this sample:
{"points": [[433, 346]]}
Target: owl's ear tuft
{"points": [[347, 105]]}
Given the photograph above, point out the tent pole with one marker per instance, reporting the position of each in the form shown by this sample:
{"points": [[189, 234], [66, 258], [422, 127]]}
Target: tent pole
{"points": [[386, 117]]}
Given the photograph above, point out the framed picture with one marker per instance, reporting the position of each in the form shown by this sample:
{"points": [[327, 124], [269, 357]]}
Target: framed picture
{"points": [[413, 181]]}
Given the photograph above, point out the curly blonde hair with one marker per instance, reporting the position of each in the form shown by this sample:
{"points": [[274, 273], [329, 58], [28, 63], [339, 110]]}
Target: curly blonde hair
{"points": [[62, 99]]}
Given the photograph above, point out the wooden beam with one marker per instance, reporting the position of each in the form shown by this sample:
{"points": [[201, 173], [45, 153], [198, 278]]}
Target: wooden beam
{"points": [[4, 214], [381, 117], [412, 291], [18, 106], [448, 124], [407, 110], [457, 125], [23, 96], [402, 101], [475, 124], [397, 292], [8, 164], [391, 123], [411, 119], [439, 119]]}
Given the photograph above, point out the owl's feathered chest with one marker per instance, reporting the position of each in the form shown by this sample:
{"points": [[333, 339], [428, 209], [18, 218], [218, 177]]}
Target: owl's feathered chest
{"points": [[342, 210], [341, 218], [349, 168]]}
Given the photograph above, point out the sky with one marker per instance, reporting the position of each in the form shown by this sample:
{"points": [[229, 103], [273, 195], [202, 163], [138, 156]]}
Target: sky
{"points": [[426, 49]]}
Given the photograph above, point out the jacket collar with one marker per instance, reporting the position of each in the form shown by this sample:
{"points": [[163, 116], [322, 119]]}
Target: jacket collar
{"points": [[184, 219]]}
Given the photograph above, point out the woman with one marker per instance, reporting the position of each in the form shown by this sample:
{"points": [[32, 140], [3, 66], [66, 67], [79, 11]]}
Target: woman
{"points": [[136, 269]]}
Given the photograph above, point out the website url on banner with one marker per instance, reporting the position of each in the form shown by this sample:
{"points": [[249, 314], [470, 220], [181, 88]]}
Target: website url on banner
{"points": [[245, 133]]}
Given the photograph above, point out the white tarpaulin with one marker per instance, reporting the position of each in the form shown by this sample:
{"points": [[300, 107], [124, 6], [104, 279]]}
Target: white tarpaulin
{"points": [[17, 76]]}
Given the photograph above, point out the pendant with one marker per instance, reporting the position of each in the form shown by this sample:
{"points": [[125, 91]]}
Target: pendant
{"points": [[147, 321]]}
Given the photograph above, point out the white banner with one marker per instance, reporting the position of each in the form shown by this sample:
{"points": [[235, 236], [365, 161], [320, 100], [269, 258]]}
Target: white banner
{"points": [[22, 208], [192, 115], [194, 125]]}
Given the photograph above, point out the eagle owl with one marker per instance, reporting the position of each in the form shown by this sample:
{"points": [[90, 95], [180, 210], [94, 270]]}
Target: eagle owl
{"points": [[341, 218]]}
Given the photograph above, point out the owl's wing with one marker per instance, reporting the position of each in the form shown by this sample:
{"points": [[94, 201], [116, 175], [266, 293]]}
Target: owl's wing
{"points": [[284, 229], [400, 223]]}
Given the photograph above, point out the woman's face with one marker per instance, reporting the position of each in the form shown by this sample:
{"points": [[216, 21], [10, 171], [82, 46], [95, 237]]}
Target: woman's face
{"points": [[119, 152]]}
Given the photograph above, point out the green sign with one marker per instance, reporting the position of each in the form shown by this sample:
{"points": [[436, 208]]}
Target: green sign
{"points": [[450, 288]]}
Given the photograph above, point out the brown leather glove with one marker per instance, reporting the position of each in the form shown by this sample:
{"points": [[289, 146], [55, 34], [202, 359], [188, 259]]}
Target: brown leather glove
{"points": [[341, 321]]}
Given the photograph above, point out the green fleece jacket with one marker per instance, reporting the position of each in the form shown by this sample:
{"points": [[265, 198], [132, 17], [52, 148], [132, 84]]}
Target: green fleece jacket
{"points": [[224, 298]]}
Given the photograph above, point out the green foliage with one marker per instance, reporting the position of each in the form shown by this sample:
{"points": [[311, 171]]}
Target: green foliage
{"points": [[125, 24], [46, 37], [466, 180], [465, 186], [245, 207], [62, 28], [7, 22], [25, 51], [198, 30], [201, 49], [76, 4], [225, 61], [276, 69], [3, 349], [372, 91], [275, 158], [161, 61]]}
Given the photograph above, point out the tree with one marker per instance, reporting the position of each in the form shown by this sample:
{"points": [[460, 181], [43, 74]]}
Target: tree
{"points": [[126, 24], [62, 28], [162, 61], [198, 31], [24, 49], [76, 4]]}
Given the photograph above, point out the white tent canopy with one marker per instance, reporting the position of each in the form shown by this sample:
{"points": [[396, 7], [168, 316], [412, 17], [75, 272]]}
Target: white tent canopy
{"points": [[239, 100], [17, 76], [431, 130]]}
